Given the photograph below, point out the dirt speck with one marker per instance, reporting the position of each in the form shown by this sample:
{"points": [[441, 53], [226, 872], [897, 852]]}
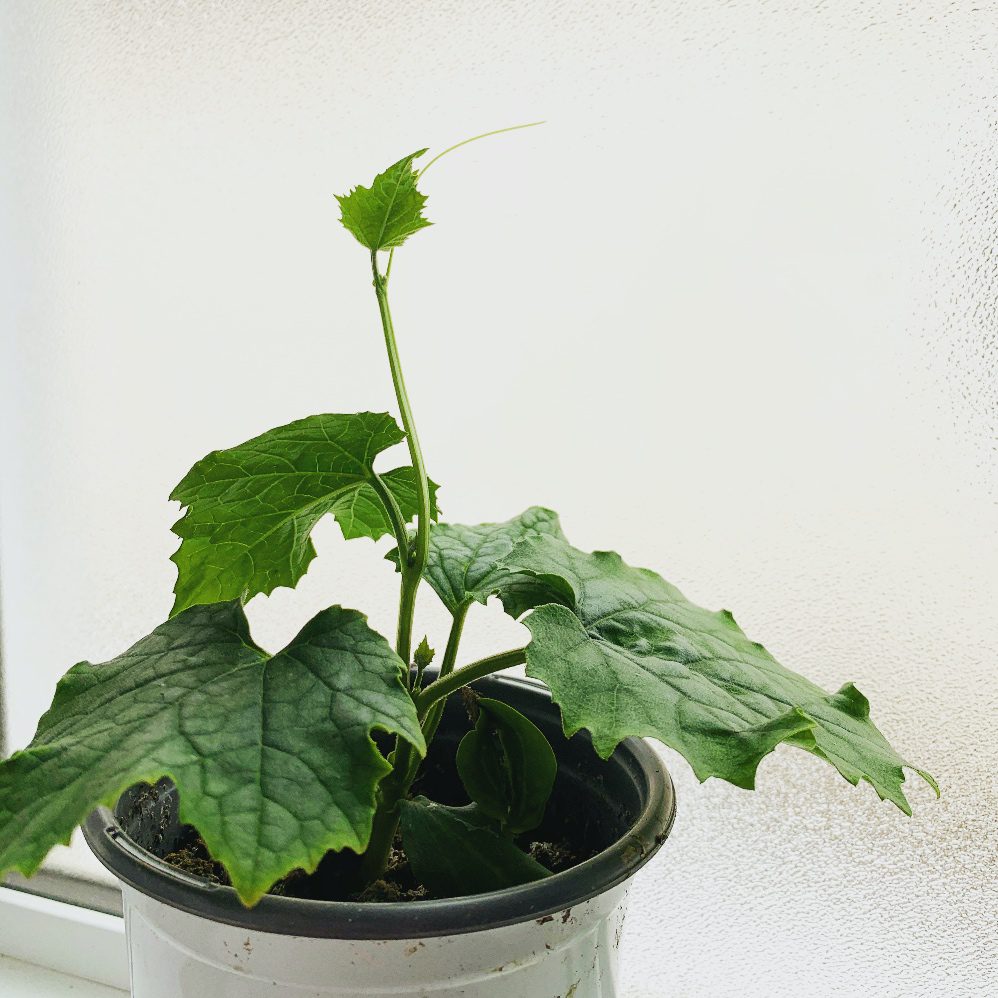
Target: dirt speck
{"points": [[556, 856]]}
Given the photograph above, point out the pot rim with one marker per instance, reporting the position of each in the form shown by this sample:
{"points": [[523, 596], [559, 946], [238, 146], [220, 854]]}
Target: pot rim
{"points": [[306, 917]]}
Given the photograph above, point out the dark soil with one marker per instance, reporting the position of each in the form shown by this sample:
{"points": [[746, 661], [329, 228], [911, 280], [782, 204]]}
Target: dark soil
{"points": [[398, 884]]}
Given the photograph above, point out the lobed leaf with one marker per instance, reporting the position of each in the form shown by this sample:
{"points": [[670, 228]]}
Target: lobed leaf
{"points": [[385, 214], [272, 755], [625, 653], [464, 562], [251, 508]]}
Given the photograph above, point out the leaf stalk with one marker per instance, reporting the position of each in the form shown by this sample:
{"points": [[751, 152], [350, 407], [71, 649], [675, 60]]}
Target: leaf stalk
{"points": [[447, 685], [416, 551], [394, 515], [432, 720]]}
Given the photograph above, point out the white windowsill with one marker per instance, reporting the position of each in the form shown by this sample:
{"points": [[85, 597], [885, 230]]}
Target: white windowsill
{"points": [[59, 942], [26, 980]]}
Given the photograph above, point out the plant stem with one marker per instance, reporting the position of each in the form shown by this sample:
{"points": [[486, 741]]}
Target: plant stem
{"points": [[453, 640], [432, 721], [395, 515], [396, 785], [398, 529], [386, 822], [412, 560], [444, 686], [415, 560]]}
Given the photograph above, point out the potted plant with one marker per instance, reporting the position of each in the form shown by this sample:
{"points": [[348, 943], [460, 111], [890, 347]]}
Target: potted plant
{"points": [[331, 819]]}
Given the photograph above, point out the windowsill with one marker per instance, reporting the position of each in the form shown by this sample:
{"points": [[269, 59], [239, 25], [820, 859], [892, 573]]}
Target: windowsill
{"points": [[25, 980], [83, 950]]}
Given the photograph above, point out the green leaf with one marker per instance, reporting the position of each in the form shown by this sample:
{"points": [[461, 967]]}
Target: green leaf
{"points": [[272, 756], [385, 214], [628, 655], [423, 655], [251, 508], [463, 565], [421, 658], [454, 851], [507, 766]]}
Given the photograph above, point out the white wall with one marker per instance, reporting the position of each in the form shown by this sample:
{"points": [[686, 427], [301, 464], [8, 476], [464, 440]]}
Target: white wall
{"points": [[732, 312]]}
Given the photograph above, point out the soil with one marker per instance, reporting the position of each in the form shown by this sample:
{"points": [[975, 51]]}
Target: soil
{"points": [[398, 884]]}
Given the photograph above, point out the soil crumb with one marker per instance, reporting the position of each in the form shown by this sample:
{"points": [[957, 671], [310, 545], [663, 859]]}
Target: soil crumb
{"points": [[556, 856], [189, 861], [398, 883]]}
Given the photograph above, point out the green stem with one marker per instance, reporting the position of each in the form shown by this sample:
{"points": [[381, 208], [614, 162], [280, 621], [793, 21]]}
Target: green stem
{"points": [[383, 828], [396, 785], [415, 561], [447, 685], [432, 721], [401, 537], [412, 560], [453, 640], [394, 514]]}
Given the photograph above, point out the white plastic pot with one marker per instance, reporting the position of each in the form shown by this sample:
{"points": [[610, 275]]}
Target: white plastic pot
{"points": [[554, 938], [177, 955]]}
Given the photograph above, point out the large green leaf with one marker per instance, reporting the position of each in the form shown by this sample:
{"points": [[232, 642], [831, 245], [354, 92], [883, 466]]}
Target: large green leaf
{"points": [[507, 766], [251, 508], [463, 565], [628, 654], [272, 756], [385, 214], [455, 851]]}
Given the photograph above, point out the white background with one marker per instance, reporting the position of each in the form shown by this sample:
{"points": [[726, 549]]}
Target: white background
{"points": [[731, 312]]}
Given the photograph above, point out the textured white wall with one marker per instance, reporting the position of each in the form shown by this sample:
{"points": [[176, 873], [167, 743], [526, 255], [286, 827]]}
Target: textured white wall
{"points": [[732, 312]]}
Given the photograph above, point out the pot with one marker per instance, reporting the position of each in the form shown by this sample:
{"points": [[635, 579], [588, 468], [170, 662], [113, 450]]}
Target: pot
{"points": [[554, 938]]}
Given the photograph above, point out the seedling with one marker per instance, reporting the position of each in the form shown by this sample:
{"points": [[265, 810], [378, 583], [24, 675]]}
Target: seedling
{"points": [[273, 755]]}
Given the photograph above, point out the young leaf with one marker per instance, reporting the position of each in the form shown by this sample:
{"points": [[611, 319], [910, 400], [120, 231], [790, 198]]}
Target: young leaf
{"points": [[251, 508], [629, 655], [272, 756], [507, 766], [385, 214], [463, 561], [423, 655], [455, 851], [421, 658]]}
